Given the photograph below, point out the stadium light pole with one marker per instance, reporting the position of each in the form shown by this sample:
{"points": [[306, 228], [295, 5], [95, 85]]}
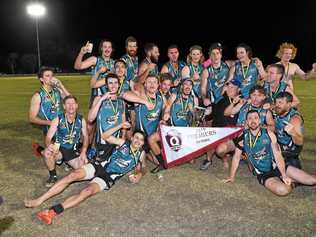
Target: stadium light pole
{"points": [[36, 10]]}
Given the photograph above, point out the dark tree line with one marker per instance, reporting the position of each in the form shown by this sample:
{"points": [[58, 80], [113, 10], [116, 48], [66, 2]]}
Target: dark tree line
{"points": [[59, 56]]}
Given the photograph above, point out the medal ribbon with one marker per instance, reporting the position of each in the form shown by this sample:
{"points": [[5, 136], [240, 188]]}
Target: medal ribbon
{"points": [[216, 72], [184, 105], [70, 132], [245, 74], [253, 143], [51, 97]]}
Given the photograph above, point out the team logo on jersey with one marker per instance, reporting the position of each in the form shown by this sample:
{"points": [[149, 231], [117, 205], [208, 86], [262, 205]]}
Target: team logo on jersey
{"points": [[152, 116], [124, 150], [265, 141], [107, 104], [220, 83], [62, 126], [123, 163], [182, 114], [174, 140], [112, 119], [260, 155]]}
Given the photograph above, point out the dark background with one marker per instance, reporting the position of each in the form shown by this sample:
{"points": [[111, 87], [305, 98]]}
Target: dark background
{"points": [[264, 25]]}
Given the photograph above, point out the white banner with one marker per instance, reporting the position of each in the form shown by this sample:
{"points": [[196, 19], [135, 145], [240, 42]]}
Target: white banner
{"points": [[181, 144]]}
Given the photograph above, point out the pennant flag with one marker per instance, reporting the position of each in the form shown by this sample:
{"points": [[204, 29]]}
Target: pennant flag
{"points": [[181, 144]]}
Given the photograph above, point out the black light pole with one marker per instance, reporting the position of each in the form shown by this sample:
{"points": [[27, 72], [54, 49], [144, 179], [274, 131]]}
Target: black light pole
{"points": [[37, 10]]}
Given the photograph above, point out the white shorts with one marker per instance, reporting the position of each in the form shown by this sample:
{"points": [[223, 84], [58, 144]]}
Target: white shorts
{"points": [[90, 175]]}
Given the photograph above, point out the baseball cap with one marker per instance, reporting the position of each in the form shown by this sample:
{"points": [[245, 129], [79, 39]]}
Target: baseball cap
{"points": [[235, 82], [216, 46], [186, 79]]}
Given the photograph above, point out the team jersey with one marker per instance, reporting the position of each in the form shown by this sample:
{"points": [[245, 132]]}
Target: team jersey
{"points": [[102, 63], [271, 95], [247, 75], [258, 150], [217, 78], [244, 110], [284, 139], [180, 113], [50, 105], [109, 115], [175, 72], [148, 120], [153, 72], [68, 134], [197, 83], [131, 66], [122, 161]]}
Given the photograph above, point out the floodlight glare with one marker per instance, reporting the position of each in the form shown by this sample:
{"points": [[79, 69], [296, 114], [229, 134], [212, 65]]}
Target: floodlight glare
{"points": [[36, 10]]}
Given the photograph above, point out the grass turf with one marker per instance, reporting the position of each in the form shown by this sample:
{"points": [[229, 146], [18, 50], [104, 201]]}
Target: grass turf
{"points": [[188, 202]]}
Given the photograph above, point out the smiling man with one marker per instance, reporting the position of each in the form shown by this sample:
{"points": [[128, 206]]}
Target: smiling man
{"points": [[103, 175]]}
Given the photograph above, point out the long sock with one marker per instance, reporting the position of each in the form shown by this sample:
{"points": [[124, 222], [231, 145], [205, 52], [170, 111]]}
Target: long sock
{"points": [[39, 149], [58, 208], [160, 160], [52, 173]]}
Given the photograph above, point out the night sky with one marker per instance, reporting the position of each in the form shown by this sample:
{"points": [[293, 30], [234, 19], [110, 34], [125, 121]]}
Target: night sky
{"points": [[72, 23]]}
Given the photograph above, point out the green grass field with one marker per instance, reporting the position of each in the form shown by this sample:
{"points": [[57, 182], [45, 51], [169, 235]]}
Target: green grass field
{"points": [[187, 203]]}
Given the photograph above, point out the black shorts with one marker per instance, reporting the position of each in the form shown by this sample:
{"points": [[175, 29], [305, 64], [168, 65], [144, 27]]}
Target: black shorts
{"points": [[104, 151], [100, 173], [69, 154], [146, 147], [262, 178], [292, 160]]}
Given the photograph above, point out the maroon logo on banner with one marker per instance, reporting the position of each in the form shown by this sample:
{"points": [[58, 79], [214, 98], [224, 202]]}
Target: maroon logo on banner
{"points": [[174, 141]]}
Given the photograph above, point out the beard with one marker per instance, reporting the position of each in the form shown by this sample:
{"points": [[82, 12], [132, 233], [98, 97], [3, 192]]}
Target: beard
{"points": [[186, 92], [280, 111], [131, 53], [253, 126], [154, 59]]}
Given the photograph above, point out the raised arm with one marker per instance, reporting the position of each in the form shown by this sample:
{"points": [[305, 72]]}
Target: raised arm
{"points": [[185, 73], [61, 88], [170, 101], [303, 75], [107, 135], [164, 69], [295, 129], [93, 112], [206, 101], [234, 107], [260, 68], [295, 101], [79, 64], [137, 97], [231, 73], [94, 82], [144, 70]]}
